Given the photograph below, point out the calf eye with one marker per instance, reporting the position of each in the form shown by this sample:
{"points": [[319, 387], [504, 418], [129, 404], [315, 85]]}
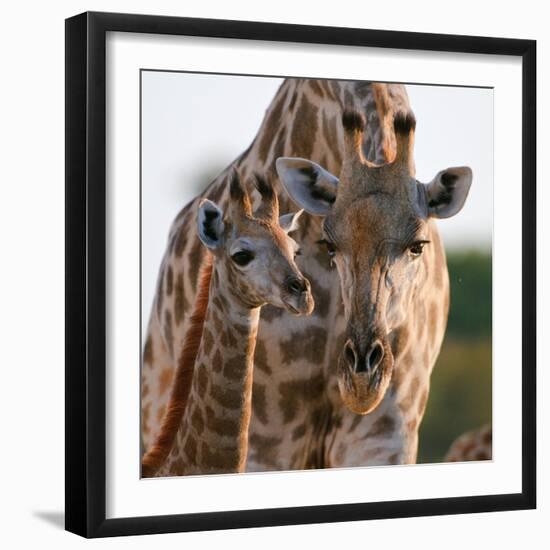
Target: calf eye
{"points": [[417, 248], [242, 257]]}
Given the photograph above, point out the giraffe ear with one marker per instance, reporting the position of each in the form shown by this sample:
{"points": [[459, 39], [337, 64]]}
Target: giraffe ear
{"points": [[309, 185], [447, 192], [289, 222], [210, 224]]}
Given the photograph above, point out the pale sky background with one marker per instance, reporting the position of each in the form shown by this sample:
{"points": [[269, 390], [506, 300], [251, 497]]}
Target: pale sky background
{"points": [[193, 125]]}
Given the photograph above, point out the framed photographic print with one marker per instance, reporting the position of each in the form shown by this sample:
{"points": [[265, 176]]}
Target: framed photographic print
{"points": [[300, 274]]}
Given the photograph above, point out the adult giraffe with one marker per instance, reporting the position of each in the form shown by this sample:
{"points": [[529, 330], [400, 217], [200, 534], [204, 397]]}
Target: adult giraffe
{"points": [[378, 228], [299, 419]]}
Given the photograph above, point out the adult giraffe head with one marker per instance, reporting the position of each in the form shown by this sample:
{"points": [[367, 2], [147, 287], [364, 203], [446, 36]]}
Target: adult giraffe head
{"points": [[376, 228], [253, 250]]}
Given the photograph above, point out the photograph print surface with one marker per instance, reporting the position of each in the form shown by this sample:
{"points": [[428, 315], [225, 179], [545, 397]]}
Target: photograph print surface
{"points": [[316, 273]]}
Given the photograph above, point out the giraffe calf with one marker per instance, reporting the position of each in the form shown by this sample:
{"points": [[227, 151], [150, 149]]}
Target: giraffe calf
{"points": [[251, 263]]}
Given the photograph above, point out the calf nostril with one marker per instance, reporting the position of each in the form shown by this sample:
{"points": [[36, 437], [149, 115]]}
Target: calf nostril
{"points": [[375, 355], [296, 285]]}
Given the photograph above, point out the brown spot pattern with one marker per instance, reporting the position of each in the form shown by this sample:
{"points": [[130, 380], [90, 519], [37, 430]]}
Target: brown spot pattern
{"points": [[234, 367], [169, 280], [383, 425], [146, 411], [408, 401], [197, 421], [177, 467], [226, 397], [165, 379], [148, 351], [168, 332], [207, 340], [160, 294], [308, 344], [227, 339], [181, 241], [265, 449], [221, 426], [294, 393], [270, 126], [180, 302], [322, 300], [216, 191], [221, 303], [270, 312], [393, 458], [292, 102], [260, 358], [298, 432], [329, 130], [279, 147], [226, 460], [316, 88], [354, 423], [304, 128], [259, 403], [194, 257], [202, 379], [217, 361], [160, 413], [190, 449], [433, 315]]}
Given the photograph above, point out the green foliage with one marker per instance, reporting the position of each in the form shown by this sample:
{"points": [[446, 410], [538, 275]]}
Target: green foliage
{"points": [[470, 315], [460, 396], [461, 384]]}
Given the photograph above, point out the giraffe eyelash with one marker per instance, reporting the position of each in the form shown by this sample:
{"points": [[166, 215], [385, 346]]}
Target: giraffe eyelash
{"points": [[331, 247], [331, 250]]}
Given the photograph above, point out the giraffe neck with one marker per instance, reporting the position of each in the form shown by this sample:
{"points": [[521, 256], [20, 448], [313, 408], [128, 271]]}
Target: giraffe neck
{"points": [[304, 120], [213, 435]]}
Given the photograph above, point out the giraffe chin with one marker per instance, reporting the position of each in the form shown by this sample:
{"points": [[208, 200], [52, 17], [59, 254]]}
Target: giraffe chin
{"points": [[362, 392], [302, 305]]}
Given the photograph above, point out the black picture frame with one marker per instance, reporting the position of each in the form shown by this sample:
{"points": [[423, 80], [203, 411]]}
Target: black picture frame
{"points": [[85, 489]]}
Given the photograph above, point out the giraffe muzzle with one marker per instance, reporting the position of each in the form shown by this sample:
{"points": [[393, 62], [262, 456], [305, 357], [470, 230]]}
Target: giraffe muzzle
{"points": [[364, 374], [298, 298]]}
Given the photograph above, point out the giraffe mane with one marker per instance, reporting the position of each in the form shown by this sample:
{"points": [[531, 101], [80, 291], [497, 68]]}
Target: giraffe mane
{"points": [[157, 454]]}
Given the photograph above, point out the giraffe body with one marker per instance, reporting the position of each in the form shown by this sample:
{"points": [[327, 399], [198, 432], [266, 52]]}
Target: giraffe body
{"points": [[472, 445], [299, 419]]}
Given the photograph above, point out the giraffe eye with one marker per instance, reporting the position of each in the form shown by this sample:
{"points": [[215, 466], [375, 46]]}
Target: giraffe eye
{"points": [[243, 257], [331, 249], [417, 248]]}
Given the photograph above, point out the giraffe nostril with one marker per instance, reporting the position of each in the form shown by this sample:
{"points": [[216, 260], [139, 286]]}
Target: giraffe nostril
{"points": [[350, 354], [374, 355], [296, 286]]}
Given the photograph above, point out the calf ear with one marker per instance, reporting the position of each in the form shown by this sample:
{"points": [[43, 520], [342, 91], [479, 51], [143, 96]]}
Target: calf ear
{"points": [[447, 192], [309, 185], [289, 222], [210, 224]]}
